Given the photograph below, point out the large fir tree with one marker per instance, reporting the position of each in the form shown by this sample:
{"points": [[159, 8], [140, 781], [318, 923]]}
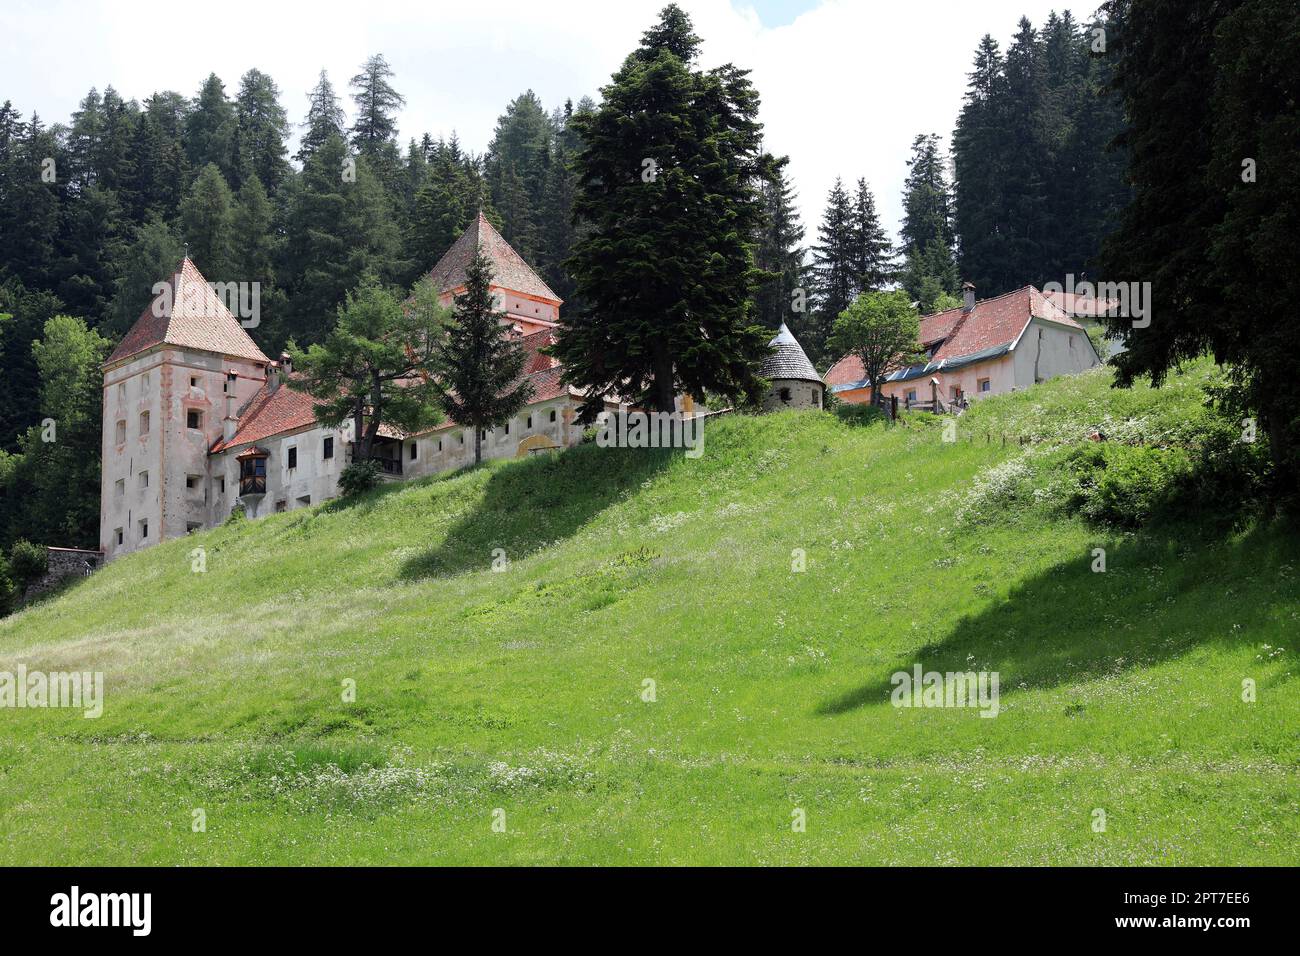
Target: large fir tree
{"points": [[669, 170]]}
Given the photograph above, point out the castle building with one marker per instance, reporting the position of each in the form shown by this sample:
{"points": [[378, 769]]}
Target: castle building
{"points": [[198, 420]]}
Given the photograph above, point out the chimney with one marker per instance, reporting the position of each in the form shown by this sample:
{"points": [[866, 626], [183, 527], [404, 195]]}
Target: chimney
{"points": [[230, 422], [272, 377], [286, 363], [967, 297]]}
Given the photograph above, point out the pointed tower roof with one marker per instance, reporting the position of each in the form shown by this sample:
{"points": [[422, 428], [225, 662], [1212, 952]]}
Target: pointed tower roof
{"points": [[509, 270], [188, 314], [788, 359]]}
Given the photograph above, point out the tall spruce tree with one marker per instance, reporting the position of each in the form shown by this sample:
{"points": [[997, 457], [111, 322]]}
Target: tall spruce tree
{"points": [[871, 252], [263, 128], [480, 360], [669, 169], [377, 104], [926, 234], [324, 118], [778, 251], [207, 216], [833, 272], [211, 129]]}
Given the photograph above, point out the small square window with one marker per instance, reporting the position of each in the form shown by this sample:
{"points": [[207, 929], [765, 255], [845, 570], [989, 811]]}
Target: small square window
{"points": [[194, 381], [293, 458], [985, 385], [194, 419], [192, 481], [192, 526], [327, 448]]}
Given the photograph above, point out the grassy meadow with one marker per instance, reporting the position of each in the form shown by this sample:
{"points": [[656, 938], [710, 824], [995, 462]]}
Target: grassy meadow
{"points": [[501, 715]]}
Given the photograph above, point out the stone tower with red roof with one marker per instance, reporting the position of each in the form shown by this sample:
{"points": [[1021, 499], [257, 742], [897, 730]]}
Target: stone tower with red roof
{"points": [[170, 386]]}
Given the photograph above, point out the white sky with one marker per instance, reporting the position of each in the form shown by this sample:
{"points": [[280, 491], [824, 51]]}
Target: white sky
{"points": [[845, 84]]}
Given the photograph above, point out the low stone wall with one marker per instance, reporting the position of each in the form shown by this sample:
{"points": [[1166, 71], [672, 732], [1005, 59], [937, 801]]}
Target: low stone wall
{"points": [[64, 563]]}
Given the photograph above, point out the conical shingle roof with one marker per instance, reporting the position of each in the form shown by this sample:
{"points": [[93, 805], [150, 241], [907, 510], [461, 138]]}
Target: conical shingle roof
{"points": [[187, 313], [788, 360], [509, 270]]}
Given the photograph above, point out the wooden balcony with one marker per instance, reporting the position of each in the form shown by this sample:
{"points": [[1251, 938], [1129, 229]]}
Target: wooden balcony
{"points": [[252, 485]]}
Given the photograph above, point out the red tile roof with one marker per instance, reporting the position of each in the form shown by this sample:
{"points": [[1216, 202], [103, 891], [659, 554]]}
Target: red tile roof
{"points": [[999, 321], [846, 371], [509, 270], [270, 413], [189, 314], [1071, 303]]}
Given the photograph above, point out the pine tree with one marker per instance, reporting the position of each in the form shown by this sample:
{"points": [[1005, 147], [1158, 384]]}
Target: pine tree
{"points": [[778, 251], [668, 170], [979, 156], [832, 271], [377, 105], [481, 361], [324, 119], [926, 233], [871, 252], [263, 127], [208, 218], [336, 233], [210, 129]]}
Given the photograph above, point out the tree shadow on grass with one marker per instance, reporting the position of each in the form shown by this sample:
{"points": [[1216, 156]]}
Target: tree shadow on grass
{"points": [[1162, 594], [536, 502]]}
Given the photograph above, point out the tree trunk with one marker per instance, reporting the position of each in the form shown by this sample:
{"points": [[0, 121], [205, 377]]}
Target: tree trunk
{"points": [[478, 445], [359, 432]]}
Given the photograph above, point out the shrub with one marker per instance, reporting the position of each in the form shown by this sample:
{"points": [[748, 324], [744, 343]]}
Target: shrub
{"points": [[862, 414], [6, 587], [1124, 485], [237, 514], [358, 478], [28, 562]]}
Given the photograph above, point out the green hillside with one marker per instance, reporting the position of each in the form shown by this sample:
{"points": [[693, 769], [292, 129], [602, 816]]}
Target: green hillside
{"points": [[521, 689]]}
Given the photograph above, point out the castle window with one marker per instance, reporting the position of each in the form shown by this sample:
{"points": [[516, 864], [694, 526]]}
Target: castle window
{"points": [[552, 414], [221, 486], [293, 458], [192, 526], [119, 488], [194, 419], [144, 479], [121, 391], [280, 505], [327, 449], [144, 423], [507, 428], [144, 528], [304, 500], [144, 382], [530, 422], [439, 444], [785, 395], [192, 481], [413, 447], [194, 381], [118, 532], [121, 431], [462, 438]]}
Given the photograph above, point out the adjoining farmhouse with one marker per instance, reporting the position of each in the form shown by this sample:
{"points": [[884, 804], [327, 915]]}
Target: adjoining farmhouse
{"points": [[982, 348], [794, 381], [197, 419]]}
